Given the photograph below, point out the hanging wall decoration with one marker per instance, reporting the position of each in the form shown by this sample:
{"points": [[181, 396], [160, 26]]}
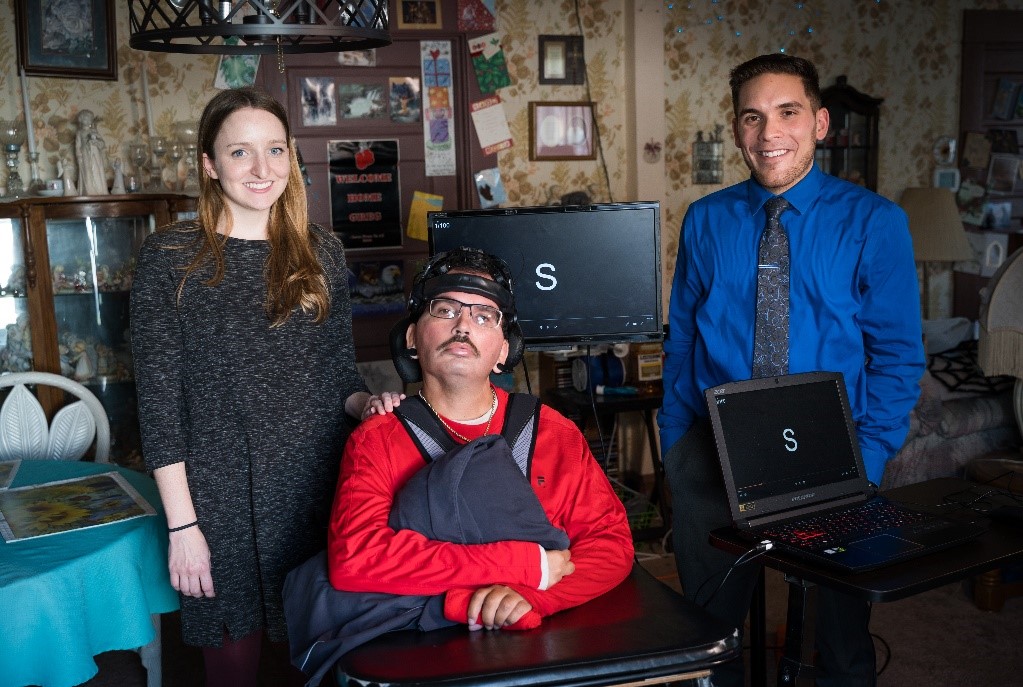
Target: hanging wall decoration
{"points": [[419, 14], [491, 125], [319, 101], [55, 40], [476, 15], [365, 196], [488, 62], [562, 60], [438, 115], [376, 287], [406, 103]]}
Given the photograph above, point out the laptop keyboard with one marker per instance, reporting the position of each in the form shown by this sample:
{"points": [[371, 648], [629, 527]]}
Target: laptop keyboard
{"points": [[819, 532]]}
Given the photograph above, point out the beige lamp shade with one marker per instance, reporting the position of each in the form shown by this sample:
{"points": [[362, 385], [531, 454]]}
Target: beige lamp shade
{"points": [[934, 223]]}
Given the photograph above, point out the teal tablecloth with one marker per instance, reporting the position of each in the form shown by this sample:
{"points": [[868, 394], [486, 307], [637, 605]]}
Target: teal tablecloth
{"points": [[67, 597]]}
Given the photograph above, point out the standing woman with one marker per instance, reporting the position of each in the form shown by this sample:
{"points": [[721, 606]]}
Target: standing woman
{"points": [[245, 367]]}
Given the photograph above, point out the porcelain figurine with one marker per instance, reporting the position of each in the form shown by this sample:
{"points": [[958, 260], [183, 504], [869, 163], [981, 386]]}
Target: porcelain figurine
{"points": [[91, 155]]}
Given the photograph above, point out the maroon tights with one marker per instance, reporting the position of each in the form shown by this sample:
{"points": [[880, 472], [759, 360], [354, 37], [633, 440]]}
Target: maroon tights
{"points": [[236, 663]]}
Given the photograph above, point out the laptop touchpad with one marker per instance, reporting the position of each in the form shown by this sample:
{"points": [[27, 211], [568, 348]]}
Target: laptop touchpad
{"points": [[885, 545]]}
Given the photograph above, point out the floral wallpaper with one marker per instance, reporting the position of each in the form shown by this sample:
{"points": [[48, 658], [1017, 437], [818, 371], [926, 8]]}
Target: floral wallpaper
{"points": [[907, 53], [904, 52]]}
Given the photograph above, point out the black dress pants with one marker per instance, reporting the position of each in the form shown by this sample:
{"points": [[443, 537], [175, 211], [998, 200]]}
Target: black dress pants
{"points": [[699, 505]]}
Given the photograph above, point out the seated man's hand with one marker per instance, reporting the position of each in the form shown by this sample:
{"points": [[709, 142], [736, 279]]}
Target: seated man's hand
{"points": [[559, 564], [495, 607]]}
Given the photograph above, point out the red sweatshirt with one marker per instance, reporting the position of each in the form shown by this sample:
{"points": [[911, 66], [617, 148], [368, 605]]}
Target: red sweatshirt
{"points": [[365, 555]]}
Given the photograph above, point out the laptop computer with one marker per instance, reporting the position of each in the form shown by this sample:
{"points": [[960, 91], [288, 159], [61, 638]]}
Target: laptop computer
{"points": [[791, 464]]}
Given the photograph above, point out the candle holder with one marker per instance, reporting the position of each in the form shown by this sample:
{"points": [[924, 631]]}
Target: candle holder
{"points": [[138, 153], [158, 148], [36, 183], [188, 135], [12, 135], [174, 154]]}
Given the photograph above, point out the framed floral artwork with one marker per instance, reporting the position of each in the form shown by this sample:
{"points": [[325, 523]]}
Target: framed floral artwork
{"points": [[74, 39]]}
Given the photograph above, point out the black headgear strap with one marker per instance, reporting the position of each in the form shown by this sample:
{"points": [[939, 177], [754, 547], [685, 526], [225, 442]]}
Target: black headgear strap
{"points": [[467, 283]]}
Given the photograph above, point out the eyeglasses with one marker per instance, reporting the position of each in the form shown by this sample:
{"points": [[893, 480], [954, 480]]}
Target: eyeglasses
{"points": [[483, 316]]}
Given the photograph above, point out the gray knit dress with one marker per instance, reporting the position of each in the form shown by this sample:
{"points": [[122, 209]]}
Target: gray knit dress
{"points": [[256, 412]]}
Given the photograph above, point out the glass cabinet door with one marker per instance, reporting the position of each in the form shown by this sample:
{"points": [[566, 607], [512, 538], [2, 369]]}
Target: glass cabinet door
{"points": [[849, 150], [92, 263], [15, 335]]}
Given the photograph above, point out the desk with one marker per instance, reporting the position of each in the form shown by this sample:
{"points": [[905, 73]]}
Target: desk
{"points": [[640, 630], [1001, 544], [67, 597], [568, 401]]}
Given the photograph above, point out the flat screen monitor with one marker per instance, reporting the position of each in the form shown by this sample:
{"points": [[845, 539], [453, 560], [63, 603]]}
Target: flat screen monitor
{"points": [[582, 274]]}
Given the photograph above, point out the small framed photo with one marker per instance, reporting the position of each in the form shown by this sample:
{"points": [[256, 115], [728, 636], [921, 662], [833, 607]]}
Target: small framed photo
{"points": [[406, 103], [319, 101], [1004, 106], [82, 49], [362, 101], [419, 14], [1004, 140], [946, 177], [1002, 173], [561, 60], [998, 215], [357, 58], [561, 131]]}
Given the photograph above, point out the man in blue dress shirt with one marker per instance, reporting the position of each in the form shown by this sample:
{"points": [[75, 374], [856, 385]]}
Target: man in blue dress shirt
{"points": [[853, 308]]}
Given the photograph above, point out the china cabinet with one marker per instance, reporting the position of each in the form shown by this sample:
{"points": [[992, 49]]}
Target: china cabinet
{"points": [[992, 56], [849, 150], [66, 268]]}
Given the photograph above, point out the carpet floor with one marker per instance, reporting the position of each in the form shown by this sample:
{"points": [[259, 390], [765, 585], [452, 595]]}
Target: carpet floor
{"points": [[938, 638]]}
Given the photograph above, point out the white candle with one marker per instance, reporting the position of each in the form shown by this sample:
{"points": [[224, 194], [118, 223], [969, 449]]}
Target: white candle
{"points": [[145, 101], [29, 131]]}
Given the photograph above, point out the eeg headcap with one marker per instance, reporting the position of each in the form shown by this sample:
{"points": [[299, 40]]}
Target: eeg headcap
{"points": [[447, 272]]}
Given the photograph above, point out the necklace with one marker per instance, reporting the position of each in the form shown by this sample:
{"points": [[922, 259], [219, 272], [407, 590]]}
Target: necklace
{"points": [[486, 430]]}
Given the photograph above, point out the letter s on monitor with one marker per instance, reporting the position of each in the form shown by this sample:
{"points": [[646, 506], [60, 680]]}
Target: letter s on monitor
{"points": [[582, 274]]}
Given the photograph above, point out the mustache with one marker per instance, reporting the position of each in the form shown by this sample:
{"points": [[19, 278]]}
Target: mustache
{"points": [[461, 339]]}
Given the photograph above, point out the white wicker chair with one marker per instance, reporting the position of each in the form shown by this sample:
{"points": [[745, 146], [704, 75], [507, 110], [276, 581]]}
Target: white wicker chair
{"points": [[24, 432]]}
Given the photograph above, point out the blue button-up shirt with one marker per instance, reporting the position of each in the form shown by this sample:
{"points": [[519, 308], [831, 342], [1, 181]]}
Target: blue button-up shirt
{"points": [[853, 298]]}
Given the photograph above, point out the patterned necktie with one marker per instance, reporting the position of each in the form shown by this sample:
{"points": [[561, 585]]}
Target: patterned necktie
{"points": [[771, 336]]}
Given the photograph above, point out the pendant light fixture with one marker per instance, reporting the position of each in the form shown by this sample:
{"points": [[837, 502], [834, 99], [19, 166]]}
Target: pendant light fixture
{"points": [[254, 27]]}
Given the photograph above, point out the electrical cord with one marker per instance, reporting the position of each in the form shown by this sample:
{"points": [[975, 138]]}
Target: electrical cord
{"points": [[887, 653], [596, 418], [525, 372], [750, 555]]}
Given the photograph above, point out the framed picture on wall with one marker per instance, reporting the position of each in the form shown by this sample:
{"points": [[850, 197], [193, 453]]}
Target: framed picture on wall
{"points": [[319, 101], [419, 14], [947, 177], [561, 131], [55, 38], [1001, 174], [561, 60]]}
